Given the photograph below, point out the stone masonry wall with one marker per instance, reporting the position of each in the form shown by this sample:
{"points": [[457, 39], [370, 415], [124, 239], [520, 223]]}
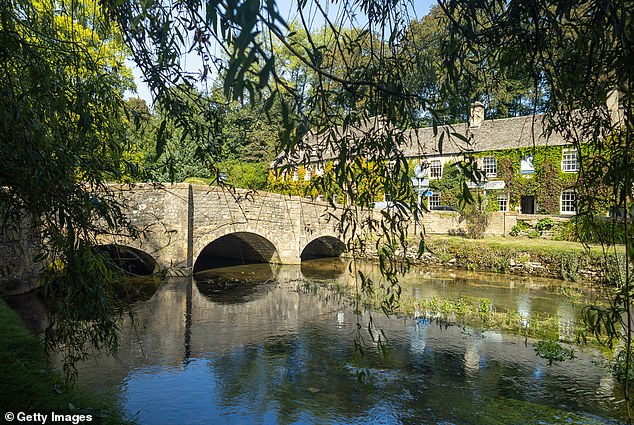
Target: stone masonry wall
{"points": [[19, 272], [450, 222], [180, 220]]}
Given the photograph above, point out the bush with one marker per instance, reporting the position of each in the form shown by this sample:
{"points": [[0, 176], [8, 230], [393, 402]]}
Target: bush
{"points": [[566, 232], [198, 180], [247, 175], [520, 227], [545, 223], [534, 234], [477, 219], [587, 229], [570, 266]]}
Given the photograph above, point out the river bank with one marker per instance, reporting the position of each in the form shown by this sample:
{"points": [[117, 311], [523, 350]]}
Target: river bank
{"points": [[569, 261], [30, 386]]}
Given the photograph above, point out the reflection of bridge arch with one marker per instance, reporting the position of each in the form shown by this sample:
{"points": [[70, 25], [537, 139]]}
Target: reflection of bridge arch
{"points": [[233, 247], [322, 247], [131, 260]]}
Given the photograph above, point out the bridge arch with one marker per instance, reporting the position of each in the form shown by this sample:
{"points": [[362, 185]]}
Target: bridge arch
{"points": [[235, 247], [322, 247], [132, 261]]}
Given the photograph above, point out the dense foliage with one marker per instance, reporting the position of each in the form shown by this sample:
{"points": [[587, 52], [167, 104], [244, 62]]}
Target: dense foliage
{"points": [[580, 51], [61, 140], [268, 84]]}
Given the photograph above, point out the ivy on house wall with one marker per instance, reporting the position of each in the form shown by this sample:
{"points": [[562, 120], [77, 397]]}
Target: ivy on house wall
{"points": [[449, 186], [366, 179], [285, 183], [546, 184]]}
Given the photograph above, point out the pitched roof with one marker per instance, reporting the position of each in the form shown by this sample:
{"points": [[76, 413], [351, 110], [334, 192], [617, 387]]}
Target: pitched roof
{"points": [[324, 146], [498, 134]]}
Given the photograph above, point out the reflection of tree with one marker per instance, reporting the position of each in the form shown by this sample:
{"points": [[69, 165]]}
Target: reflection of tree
{"points": [[292, 374], [286, 357]]}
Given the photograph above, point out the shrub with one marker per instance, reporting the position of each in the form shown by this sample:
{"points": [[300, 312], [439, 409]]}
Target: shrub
{"points": [[477, 219], [198, 180], [534, 234], [592, 230], [545, 223], [520, 227], [569, 266]]}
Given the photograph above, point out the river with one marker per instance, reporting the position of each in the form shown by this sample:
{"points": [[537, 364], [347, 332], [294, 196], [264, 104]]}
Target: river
{"points": [[287, 344]]}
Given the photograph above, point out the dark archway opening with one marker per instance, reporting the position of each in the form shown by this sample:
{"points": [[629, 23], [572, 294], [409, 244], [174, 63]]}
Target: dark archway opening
{"points": [[132, 261], [236, 249], [323, 247]]}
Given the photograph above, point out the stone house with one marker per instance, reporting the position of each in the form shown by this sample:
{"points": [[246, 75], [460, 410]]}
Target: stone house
{"points": [[525, 168]]}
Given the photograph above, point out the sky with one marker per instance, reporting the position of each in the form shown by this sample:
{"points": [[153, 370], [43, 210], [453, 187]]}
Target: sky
{"points": [[288, 11]]}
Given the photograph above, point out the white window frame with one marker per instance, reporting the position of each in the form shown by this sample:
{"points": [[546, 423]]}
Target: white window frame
{"points": [[433, 201], [435, 169], [527, 166], [569, 160], [568, 202], [504, 205], [490, 166], [307, 172]]}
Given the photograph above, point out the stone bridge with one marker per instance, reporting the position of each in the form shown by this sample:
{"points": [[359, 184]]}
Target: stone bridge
{"points": [[192, 227]]}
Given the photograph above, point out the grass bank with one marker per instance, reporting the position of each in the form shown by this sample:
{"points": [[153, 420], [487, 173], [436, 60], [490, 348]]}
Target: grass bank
{"points": [[570, 261], [29, 384]]}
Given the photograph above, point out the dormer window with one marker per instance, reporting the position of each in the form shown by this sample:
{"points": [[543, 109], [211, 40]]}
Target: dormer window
{"points": [[435, 169], [570, 160], [490, 166], [526, 165]]}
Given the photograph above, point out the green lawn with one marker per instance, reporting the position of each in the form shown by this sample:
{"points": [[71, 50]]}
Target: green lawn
{"points": [[29, 385]]}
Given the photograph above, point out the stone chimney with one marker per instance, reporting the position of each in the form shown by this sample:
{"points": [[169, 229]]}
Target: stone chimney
{"points": [[615, 108], [477, 114]]}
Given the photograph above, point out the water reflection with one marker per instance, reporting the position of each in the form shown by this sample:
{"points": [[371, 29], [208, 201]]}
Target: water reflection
{"points": [[34, 314], [138, 288], [323, 269], [284, 352], [524, 309], [235, 284]]}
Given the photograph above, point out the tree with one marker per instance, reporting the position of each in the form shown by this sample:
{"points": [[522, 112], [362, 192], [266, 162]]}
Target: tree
{"points": [[61, 90], [579, 51], [240, 142], [504, 90], [249, 134]]}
